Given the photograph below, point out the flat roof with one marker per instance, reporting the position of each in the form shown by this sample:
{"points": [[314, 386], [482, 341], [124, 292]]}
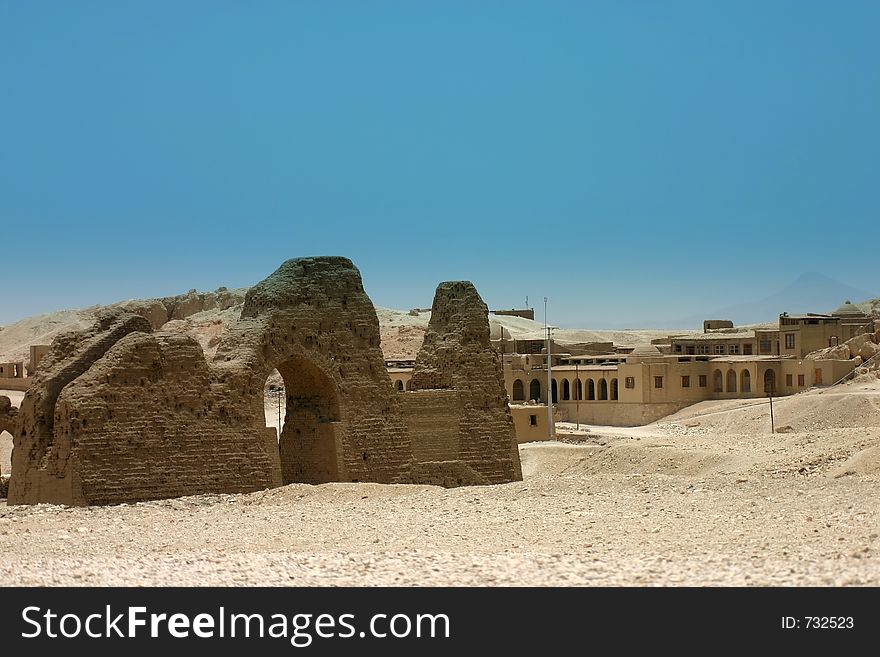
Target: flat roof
{"points": [[743, 359], [706, 337]]}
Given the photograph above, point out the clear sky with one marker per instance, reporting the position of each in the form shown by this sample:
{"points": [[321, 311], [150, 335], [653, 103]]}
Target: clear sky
{"points": [[632, 160]]}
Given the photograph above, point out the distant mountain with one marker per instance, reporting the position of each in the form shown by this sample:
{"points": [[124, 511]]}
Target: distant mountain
{"points": [[808, 293]]}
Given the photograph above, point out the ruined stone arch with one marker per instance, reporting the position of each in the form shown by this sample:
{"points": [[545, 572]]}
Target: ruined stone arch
{"points": [[313, 322], [120, 413], [519, 393]]}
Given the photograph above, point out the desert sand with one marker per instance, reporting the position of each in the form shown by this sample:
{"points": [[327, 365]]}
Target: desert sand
{"points": [[705, 497]]}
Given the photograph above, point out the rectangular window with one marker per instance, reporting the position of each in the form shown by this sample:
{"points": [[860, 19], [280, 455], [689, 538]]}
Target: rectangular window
{"points": [[678, 348], [685, 381], [703, 381], [691, 349], [765, 346], [734, 349], [630, 382], [801, 380], [533, 420], [789, 380], [789, 340], [719, 348], [658, 381], [747, 349]]}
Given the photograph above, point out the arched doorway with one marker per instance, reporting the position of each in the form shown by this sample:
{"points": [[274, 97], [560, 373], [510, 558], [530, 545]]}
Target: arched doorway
{"points": [[307, 444], [769, 381], [718, 379], [554, 392], [614, 389], [746, 381], [603, 389], [398, 385], [519, 393], [566, 390], [731, 381], [591, 389], [578, 390], [535, 390]]}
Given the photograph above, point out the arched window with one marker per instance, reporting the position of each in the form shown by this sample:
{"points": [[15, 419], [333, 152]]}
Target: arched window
{"points": [[731, 381], [746, 385], [603, 389], [566, 390], [614, 389], [769, 381], [554, 393], [409, 385], [399, 385], [535, 390], [578, 390], [718, 379], [591, 389], [519, 393]]}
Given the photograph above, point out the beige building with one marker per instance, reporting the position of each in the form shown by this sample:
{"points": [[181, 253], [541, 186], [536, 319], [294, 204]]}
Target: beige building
{"points": [[530, 422], [37, 351], [400, 372], [18, 376], [655, 380], [603, 384], [13, 376]]}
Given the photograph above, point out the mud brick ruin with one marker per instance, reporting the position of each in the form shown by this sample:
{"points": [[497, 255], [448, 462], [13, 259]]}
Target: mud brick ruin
{"points": [[123, 413]]}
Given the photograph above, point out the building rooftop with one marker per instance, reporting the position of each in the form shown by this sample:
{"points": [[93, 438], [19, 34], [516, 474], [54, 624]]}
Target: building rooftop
{"points": [[713, 336], [849, 308], [645, 350], [743, 359]]}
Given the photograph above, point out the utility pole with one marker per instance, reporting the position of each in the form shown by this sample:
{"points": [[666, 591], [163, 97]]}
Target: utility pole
{"points": [[551, 429]]}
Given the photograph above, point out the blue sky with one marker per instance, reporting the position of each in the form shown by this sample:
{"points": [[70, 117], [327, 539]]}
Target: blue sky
{"points": [[631, 160]]}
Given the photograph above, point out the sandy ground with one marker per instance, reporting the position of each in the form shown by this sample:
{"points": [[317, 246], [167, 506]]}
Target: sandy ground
{"points": [[705, 497]]}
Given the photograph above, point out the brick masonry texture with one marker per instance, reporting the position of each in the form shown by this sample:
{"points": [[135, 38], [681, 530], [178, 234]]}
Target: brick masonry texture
{"points": [[120, 413], [457, 355]]}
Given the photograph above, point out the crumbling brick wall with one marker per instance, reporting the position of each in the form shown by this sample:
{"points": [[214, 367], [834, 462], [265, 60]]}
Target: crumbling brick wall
{"points": [[8, 414], [313, 321], [144, 422], [40, 470], [118, 413], [457, 355]]}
